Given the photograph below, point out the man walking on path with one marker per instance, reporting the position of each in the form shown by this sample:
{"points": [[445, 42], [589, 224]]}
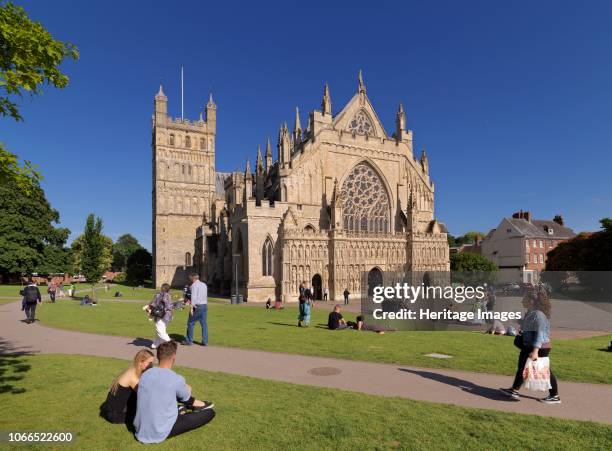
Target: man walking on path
{"points": [[346, 296], [199, 310], [31, 296]]}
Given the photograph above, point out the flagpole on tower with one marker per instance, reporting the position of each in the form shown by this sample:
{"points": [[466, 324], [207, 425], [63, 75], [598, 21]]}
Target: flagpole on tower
{"points": [[182, 104]]}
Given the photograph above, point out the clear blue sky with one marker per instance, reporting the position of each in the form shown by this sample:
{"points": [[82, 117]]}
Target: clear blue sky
{"points": [[513, 100]]}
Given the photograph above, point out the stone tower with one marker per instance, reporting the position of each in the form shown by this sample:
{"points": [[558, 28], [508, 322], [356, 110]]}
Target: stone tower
{"points": [[183, 187]]}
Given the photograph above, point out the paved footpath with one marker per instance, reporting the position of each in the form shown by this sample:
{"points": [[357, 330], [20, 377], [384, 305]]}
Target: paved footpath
{"points": [[580, 401]]}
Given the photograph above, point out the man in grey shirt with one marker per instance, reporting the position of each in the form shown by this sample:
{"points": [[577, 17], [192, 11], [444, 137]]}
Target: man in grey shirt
{"points": [[157, 415], [199, 310]]}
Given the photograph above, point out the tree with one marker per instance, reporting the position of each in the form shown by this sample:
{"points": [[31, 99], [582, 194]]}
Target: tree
{"points": [[77, 253], [28, 232], [472, 269], [92, 253], [467, 261], [29, 58], [468, 238], [588, 255], [123, 248], [10, 171], [139, 266]]}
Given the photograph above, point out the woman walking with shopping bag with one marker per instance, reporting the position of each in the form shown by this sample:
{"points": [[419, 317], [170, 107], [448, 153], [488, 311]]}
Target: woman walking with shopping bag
{"points": [[534, 343]]}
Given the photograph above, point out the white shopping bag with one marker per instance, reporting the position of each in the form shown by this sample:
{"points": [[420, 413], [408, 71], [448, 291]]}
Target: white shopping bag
{"points": [[536, 374]]}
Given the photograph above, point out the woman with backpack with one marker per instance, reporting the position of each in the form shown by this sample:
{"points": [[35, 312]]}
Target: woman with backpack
{"points": [[534, 342], [160, 310]]}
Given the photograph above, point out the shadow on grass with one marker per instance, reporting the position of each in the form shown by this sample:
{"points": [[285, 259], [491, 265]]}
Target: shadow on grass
{"points": [[466, 386], [282, 324], [12, 367]]}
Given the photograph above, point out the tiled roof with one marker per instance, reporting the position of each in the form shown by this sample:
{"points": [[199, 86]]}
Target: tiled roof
{"points": [[558, 231], [539, 229]]}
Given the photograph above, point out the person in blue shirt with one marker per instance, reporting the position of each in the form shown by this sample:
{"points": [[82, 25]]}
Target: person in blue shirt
{"points": [[198, 311], [535, 342], [157, 414]]}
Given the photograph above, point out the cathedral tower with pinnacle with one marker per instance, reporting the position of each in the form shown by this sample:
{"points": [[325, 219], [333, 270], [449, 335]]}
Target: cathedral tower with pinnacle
{"points": [[183, 187]]}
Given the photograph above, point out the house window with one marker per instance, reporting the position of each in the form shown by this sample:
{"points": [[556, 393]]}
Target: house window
{"points": [[534, 243], [535, 258], [266, 258], [528, 259], [541, 258], [541, 244], [527, 244]]}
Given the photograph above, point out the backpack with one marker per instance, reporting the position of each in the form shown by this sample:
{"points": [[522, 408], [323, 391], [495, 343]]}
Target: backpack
{"points": [[158, 310], [30, 294]]}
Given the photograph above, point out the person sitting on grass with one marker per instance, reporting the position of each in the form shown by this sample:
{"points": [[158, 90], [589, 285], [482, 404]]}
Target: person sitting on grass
{"points": [[335, 320], [361, 325], [120, 404], [157, 413]]}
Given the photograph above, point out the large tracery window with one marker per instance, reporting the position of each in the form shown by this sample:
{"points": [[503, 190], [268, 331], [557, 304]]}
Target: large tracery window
{"points": [[361, 124], [366, 204]]}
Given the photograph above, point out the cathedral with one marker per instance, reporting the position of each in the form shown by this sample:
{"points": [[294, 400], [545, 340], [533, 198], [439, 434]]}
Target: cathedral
{"points": [[343, 201]]}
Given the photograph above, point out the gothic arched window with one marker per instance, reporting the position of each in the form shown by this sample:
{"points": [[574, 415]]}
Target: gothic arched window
{"points": [[266, 258], [202, 144], [188, 142], [187, 259], [361, 124], [366, 204], [171, 140]]}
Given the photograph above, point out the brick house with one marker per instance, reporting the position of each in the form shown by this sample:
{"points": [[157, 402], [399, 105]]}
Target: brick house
{"points": [[519, 245]]}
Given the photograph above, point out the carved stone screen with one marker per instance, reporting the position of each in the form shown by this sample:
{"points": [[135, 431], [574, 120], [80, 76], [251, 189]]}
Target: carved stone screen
{"points": [[366, 204]]}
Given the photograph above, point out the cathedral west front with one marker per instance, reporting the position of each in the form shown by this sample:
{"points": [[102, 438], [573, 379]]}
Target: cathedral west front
{"points": [[340, 200]]}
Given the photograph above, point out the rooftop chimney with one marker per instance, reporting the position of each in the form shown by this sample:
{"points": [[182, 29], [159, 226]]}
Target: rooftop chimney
{"points": [[522, 215], [559, 220]]}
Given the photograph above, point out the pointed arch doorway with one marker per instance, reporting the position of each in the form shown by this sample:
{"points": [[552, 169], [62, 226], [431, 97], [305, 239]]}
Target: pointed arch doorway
{"points": [[317, 287], [375, 279]]}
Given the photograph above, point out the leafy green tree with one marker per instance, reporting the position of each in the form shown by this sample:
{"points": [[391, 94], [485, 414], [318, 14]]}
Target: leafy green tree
{"points": [[28, 232], [469, 262], [587, 255], [472, 269], [125, 246], [92, 252], [77, 253], [10, 171], [29, 58], [467, 238], [139, 266]]}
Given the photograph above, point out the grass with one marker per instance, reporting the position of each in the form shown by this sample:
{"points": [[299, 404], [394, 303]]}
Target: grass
{"points": [[257, 414], [270, 330], [10, 290]]}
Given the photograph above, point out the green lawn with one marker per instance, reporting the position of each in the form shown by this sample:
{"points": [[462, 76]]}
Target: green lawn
{"points": [[10, 290], [271, 330], [257, 414]]}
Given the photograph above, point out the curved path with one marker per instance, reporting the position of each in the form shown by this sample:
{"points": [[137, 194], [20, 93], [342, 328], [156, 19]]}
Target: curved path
{"points": [[580, 401]]}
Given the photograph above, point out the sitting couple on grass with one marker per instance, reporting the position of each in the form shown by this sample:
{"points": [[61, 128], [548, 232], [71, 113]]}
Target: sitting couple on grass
{"points": [[336, 321], [147, 397]]}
